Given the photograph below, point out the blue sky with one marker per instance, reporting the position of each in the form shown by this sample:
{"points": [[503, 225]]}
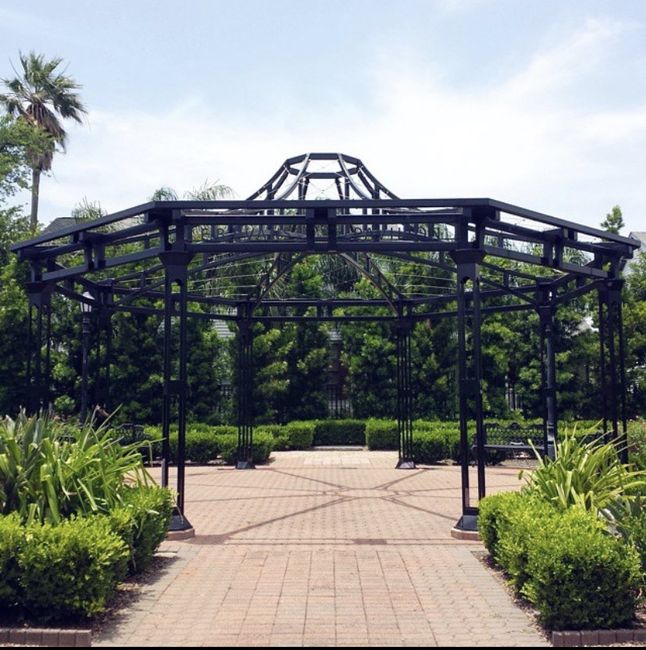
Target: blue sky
{"points": [[534, 102]]}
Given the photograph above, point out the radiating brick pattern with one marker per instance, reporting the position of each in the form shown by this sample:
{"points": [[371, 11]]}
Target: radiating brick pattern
{"points": [[324, 548]]}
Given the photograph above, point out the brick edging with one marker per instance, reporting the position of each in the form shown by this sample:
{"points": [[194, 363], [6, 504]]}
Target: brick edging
{"points": [[46, 636], [567, 639]]}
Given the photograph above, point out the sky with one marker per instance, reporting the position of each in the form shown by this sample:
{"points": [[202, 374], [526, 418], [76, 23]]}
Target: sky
{"points": [[539, 103]]}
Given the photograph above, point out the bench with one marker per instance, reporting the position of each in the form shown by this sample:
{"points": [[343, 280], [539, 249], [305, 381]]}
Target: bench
{"points": [[513, 437]]}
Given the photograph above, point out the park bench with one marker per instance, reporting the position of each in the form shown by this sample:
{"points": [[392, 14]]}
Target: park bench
{"points": [[511, 438]]}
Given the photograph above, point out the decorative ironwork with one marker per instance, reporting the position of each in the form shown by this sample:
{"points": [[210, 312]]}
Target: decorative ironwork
{"points": [[331, 205]]}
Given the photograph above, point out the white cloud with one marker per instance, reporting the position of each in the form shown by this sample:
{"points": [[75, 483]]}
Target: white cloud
{"points": [[524, 141]]}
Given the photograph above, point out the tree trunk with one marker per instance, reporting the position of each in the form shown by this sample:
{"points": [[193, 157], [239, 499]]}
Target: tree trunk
{"points": [[35, 191]]}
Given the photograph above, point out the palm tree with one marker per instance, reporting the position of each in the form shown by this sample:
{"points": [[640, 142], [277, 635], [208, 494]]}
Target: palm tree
{"points": [[42, 97]]}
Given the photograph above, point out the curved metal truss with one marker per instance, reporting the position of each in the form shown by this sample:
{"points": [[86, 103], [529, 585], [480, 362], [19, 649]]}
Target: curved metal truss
{"points": [[425, 258]]}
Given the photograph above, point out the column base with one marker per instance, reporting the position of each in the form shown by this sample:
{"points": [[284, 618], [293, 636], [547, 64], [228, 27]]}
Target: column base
{"points": [[466, 529], [245, 464], [180, 527], [404, 463]]}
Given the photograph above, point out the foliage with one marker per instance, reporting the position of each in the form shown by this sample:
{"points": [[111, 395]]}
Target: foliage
{"points": [[263, 443], [382, 434], [565, 562], [300, 435], [579, 576], [339, 432], [70, 569], [12, 537], [45, 476], [637, 443], [42, 96], [588, 475], [614, 221], [142, 522]]}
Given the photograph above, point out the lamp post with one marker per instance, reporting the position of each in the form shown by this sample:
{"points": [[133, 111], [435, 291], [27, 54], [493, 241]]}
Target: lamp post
{"points": [[86, 311]]}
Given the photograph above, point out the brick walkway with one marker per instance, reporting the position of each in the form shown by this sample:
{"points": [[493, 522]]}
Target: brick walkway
{"points": [[324, 548]]}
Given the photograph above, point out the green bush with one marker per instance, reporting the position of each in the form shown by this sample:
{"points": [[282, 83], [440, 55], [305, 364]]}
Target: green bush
{"points": [[382, 434], [263, 444], [12, 537], [493, 517], [580, 577], [70, 569], [584, 474], [49, 472], [633, 529], [340, 432], [142, 523], [299, 434]]}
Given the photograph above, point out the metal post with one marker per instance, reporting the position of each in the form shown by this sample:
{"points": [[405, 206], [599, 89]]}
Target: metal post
{"points": [[548, 369], [85, 341], [602, 360], [245, 389], [622, 379], [176, 276], [166, 394], [404, 394], [469, 378]]}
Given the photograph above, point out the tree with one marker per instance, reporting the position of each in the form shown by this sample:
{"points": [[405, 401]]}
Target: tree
{"points": [[614, 221], [42, 96], [208, 191]]}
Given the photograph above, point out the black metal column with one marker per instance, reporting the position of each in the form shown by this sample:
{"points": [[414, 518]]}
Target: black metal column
{"points": [[39, 297], [404, 395], [546, 312], [612, 366], [245, 389], [469, 377], [175, 375]]}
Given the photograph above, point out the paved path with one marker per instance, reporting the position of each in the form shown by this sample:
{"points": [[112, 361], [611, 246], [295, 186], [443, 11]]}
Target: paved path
{"points": [[324, 548]]}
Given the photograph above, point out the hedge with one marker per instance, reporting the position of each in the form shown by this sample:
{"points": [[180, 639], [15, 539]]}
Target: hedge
{"points": [[339, 432], [576, 574], [12, 535], [581, 577], [142, 523], [382, 434], [70, 569], [299, 434], [263, 443]]}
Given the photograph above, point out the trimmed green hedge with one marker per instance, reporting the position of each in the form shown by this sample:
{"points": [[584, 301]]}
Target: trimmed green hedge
{"points": [[263, 444], [382, 434], [12, 535], [340, 432], [576, 574], [142, 523], [71, 569], [300, 434]]}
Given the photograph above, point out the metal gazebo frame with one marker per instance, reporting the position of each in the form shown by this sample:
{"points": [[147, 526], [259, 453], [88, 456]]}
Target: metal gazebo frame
{"points": [[162, 246]]}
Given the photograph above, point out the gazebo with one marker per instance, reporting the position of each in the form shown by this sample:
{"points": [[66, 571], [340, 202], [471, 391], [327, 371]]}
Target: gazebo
{"points": [[167, 257]]}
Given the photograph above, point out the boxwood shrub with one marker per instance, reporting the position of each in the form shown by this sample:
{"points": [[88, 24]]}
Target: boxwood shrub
{"points": [[565, 562], [579, 576], [300, 434], [12, 538], [70, 569], [263, 444], [382, 434], [340, 432], [142, 523]]}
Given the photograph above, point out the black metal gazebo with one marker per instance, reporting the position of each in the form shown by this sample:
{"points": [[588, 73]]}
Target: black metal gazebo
{"points": [[173, 253]]}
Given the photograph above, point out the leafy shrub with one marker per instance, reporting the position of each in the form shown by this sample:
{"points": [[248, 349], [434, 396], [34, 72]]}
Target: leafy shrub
{"points": [[493, 516], [70, 569], [382, 434], [47, 474], [263, 444], [632, 527], [142, 523], [584, 474], [578, 576], [12, 537], [340, 432], [299, 434]]}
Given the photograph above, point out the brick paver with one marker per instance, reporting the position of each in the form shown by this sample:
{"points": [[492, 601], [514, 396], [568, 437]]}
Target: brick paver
{"points": [[324, 548]]}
